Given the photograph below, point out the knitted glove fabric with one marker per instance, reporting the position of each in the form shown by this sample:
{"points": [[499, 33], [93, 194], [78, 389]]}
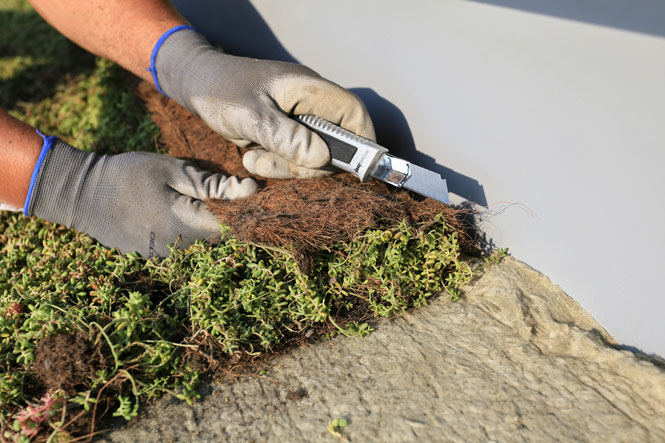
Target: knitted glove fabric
{"points": [[135, 201], [249, 102]]}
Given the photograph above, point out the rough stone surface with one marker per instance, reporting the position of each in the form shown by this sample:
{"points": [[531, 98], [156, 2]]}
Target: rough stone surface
{"points": [[515, 360]]}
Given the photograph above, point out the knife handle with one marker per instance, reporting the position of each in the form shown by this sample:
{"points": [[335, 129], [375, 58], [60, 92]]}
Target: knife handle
{"points": [[348, 151]]}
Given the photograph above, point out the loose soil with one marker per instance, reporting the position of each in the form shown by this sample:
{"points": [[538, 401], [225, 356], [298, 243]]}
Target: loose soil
{"points": [[306, 214], [67, 362]]}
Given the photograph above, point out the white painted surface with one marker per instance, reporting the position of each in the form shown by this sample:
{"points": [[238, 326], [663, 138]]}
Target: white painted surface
{"points": [[563, 117]]}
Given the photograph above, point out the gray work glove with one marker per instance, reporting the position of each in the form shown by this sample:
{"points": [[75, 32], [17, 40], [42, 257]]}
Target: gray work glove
{"points": [[136, 201], [249, 101]]}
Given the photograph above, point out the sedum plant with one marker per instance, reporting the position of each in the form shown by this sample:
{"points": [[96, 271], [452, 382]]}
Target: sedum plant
{"points": [[144, 316], [152, 327]]}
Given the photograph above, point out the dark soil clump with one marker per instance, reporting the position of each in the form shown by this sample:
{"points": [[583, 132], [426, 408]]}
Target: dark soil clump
{"points": [[67, 362], [296, 394], [32, 387]]}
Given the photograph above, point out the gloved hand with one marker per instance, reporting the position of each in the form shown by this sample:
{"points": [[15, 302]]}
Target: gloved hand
{"points": [[136, 201], [249, 101]]}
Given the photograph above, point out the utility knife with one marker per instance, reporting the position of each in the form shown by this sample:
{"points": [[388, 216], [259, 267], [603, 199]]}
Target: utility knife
{"points": [[365, 159]]}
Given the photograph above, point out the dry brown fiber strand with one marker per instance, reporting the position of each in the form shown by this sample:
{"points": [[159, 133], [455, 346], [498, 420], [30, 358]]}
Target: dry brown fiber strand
{"points": [[305, 213]]}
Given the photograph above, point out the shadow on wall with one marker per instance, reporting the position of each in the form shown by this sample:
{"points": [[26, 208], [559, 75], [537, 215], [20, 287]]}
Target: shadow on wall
{"points": [[644, 16], [240, 30]]}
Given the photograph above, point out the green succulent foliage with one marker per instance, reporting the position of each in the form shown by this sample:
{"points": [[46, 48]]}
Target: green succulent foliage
{"points": [[495, 256], [143, 314], [248, 297], [336, 426], [95, 112], [50, 83]]}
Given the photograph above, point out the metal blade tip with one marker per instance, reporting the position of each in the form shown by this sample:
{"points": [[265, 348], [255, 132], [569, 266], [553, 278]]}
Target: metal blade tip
{"points": [[427, 183]]}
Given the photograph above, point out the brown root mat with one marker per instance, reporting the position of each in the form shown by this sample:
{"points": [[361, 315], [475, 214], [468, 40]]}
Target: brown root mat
{"points": [[303, 213]]}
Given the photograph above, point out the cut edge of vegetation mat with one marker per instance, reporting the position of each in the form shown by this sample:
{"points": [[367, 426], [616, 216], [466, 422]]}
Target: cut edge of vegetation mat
{"points": [[87, 332]]}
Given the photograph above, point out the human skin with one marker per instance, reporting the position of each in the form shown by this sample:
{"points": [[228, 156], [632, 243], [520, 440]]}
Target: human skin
{"points": [[124, 31], [20, 146]]}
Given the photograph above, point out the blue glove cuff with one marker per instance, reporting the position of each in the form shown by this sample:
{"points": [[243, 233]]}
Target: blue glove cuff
{"points": [[153, 57], [46, 146]]}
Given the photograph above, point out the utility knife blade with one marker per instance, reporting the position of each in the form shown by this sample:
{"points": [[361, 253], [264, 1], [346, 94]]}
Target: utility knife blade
{"points": [[365, 159]]}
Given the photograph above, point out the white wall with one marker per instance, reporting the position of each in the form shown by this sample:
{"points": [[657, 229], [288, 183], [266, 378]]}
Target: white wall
{"points": [[563, 116]]}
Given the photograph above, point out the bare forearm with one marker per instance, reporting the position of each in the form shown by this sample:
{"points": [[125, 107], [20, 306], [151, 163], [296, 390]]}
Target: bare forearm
{"points": [[124, 31], [20, 146]]}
